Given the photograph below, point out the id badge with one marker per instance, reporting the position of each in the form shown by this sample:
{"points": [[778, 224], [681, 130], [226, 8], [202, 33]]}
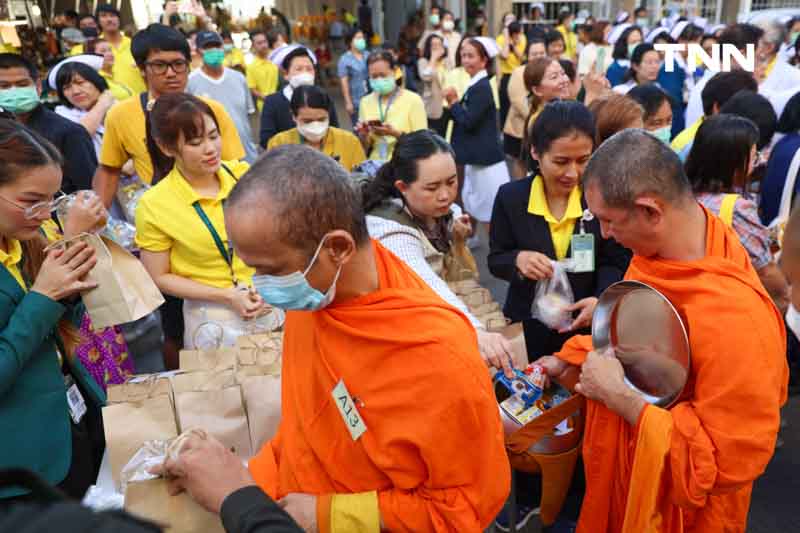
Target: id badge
{"points": [[75, 401], [347, 408], [583, 253]]}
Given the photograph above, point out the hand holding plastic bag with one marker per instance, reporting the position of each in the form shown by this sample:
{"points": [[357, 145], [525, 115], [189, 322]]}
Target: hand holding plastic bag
{"points": [[82, 212], [553, 298]]}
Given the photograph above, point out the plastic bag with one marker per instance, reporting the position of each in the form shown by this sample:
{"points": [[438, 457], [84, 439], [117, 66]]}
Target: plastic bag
{"points": [[66, 202], [553, 297]]}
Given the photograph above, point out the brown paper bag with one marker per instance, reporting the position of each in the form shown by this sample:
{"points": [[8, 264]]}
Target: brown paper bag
{"points": [[125, 290], [494, 321], [477, 297], [177, 514], [261, 391], [212, 401], [128, 424], [221, 358], [464, 287], [263, 349], [485, 309], [140, 389]]}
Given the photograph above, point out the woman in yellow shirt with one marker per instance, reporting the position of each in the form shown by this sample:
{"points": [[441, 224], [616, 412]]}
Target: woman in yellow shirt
{"points": [[180, 227], [309, 107], [512, 44]]}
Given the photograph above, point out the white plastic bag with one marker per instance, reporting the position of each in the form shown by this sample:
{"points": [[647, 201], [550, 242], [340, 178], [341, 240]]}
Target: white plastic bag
{"points": [[553, 297]]}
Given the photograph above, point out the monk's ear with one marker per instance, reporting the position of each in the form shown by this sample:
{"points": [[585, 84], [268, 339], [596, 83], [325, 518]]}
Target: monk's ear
{"points": [[651, 207], [340, 246]]}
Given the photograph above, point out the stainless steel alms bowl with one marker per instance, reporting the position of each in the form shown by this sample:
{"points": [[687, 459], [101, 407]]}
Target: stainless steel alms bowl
{"points": [[647, 336]]}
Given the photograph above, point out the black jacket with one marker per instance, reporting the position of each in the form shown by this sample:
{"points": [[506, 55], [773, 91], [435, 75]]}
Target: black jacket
{"points": [[74, 144], [514, 230], [476, 139], [276, 116]]}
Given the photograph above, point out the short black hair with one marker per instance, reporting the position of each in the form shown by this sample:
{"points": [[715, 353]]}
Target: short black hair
{"points": [[723, 86], [621, 46], [381, 55], [790, 118], [225, 34], [569, 68], [86, 16], [253, 34], [17, 61], [726, 134], [158, 38], [740, 35], [633, 162], [552, 36], [348, 39], [273, 35], [514, 27], [756, 107], [68, 71], [559, 119], [291, 56], [691, 32], [309, 96], [636, 59], [106, 8], [70, 14], [651, 97], [309, 195]]}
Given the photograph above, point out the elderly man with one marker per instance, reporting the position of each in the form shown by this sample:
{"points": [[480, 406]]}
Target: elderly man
{"points": [[389, 419], [690, 467]]}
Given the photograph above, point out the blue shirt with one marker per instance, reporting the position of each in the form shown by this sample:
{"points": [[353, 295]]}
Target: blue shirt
{"points": [[616, 72], [773, 182], [357, 74]]}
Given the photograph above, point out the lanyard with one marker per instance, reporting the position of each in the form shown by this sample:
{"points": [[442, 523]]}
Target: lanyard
{"points": [[384, 114]]}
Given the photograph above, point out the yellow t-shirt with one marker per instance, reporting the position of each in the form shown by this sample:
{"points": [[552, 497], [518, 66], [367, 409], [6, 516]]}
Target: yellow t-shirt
{"points": [[234, 58], [167, 221], [686, 136], [119, 91], [11, 260], [125, 70], [339, 144], [125, 136], [508, 64], [570, 42], [262, 75], [76, 50], [560, 230], [406, 114]]}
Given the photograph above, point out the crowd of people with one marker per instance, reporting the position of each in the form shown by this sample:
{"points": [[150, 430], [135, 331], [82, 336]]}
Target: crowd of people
{"points": [[569, 146]]}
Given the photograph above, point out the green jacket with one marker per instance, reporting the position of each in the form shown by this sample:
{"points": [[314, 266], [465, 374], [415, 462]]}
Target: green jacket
{"points": [[34, 418]]}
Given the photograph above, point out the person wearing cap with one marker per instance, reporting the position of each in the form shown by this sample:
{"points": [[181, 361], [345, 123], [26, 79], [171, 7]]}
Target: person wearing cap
{"points": [[87, 24], [20, 94], [262, 74], [226, 86], [298, 67], [475, 132], [126, 71]]}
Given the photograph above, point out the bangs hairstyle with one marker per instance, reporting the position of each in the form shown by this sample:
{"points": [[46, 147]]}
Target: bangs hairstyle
{"points": [[67, 73], [426, 53], [158, 38], [309, 96], [651, 97], [294, 54], [179, 114], [381, 55], [558, 119]]}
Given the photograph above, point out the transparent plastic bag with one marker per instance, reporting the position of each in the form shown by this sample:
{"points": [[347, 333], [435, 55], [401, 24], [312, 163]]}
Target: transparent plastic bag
{"points": [[66, 202], [553, 297]]}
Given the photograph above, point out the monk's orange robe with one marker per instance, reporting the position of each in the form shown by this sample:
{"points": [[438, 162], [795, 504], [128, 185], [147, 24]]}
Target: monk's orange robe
{"points": [[691, 468], [433, 449]]}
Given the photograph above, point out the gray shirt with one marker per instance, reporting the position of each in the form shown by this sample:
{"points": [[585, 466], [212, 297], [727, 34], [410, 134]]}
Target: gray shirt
{"points": [[232, 92]]}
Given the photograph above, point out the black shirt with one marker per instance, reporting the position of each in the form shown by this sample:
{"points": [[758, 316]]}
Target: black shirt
{"points": [[250, 510], [276, 116], [73, 142]]}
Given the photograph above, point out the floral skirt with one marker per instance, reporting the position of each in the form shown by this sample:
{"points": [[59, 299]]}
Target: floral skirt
{"points": [[104, 353]]}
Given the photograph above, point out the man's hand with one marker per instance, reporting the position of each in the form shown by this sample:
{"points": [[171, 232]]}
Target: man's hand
{"points": [[553, 366], [584, 319], [207, 470], [303, 508], [496, 351], [602, 379]]}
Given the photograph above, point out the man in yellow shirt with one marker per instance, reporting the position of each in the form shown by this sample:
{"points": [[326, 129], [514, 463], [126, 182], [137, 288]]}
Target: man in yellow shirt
{"points": [[125, 70], [262, 74], [234, 57], [163, 55], [512, 44]]}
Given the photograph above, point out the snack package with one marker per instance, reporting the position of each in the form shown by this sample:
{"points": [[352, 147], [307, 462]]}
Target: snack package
{"points": [[553, 296]]}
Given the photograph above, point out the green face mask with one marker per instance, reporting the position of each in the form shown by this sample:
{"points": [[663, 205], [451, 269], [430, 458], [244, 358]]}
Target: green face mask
{"points": [[19, 99], [631, 48], [227, 47], [360, 44], [382, 86], [793, 37], [213, 57], [663, 134], [434, 20]]}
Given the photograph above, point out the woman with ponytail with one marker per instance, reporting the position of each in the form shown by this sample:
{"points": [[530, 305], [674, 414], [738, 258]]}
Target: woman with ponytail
{"points": [[411, 210], [49, 405]]}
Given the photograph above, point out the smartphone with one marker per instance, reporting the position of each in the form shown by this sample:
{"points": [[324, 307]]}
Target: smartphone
{"points": [[600, 62], [375, 123]]}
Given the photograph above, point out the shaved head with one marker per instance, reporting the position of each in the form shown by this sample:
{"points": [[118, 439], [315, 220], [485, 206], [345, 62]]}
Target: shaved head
{"points": [[306, 195], [632, 163]]}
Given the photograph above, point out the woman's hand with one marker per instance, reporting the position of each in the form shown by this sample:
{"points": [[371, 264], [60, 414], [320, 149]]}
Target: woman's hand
{"points": [[86, 214], [386, 130], [106, 100], [584, 319], [462, 227], [247, 304], [534, 265], [64, 270], [450, 95]]}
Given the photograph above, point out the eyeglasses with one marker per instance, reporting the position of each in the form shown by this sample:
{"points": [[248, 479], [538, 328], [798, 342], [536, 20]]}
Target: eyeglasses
{"points": [[160, 67], [39, 209]]}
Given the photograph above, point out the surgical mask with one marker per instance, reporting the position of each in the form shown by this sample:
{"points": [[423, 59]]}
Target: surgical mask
{"points": [[293, 292], [434, 20], [227, 47], [19, 99], [314, 131], [663, 134], [360, 44], [304, 78], [213, 57], [448, 25], [631, 48], [642, 22], [382, 86], [793, 320]]}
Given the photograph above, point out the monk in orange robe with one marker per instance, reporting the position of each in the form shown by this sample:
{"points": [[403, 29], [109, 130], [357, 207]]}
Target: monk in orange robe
{"points": [[389, 419], [689, 468]]}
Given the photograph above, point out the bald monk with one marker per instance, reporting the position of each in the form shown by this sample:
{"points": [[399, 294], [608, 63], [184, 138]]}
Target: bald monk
{"points": [[388, 414], [689, 468]]}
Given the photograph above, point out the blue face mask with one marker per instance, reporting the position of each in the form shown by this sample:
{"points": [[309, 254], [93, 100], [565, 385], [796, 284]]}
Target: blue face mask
{"points": [[383, 86], [19, 99], [293, 292]]}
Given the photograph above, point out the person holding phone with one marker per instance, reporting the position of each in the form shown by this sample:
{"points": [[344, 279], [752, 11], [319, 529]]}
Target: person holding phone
{"points": [[597, 55]]}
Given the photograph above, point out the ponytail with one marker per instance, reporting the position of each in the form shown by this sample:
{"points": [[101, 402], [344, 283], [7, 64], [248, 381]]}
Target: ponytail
{"points": [[379, 189]]}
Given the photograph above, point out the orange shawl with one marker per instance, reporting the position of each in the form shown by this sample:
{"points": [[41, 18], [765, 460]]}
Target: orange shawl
{"points": [[433, 449], [692, 467]]}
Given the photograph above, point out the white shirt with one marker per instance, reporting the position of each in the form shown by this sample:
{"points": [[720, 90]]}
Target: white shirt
{"points": [[75, 115]]}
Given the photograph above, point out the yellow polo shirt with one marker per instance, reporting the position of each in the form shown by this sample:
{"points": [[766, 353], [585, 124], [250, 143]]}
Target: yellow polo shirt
{"points": [[234, 58], [166, 221], [11, 260], [262, 76], [125, 71], [686, 136], [125, 135], [560, 230], [119, 91], [339, 144], [508, 65], [406, 114]]}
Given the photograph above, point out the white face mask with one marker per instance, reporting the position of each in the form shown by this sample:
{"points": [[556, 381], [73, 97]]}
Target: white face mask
{"points": [[304, 78], [448, 25], [314, 131]]}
